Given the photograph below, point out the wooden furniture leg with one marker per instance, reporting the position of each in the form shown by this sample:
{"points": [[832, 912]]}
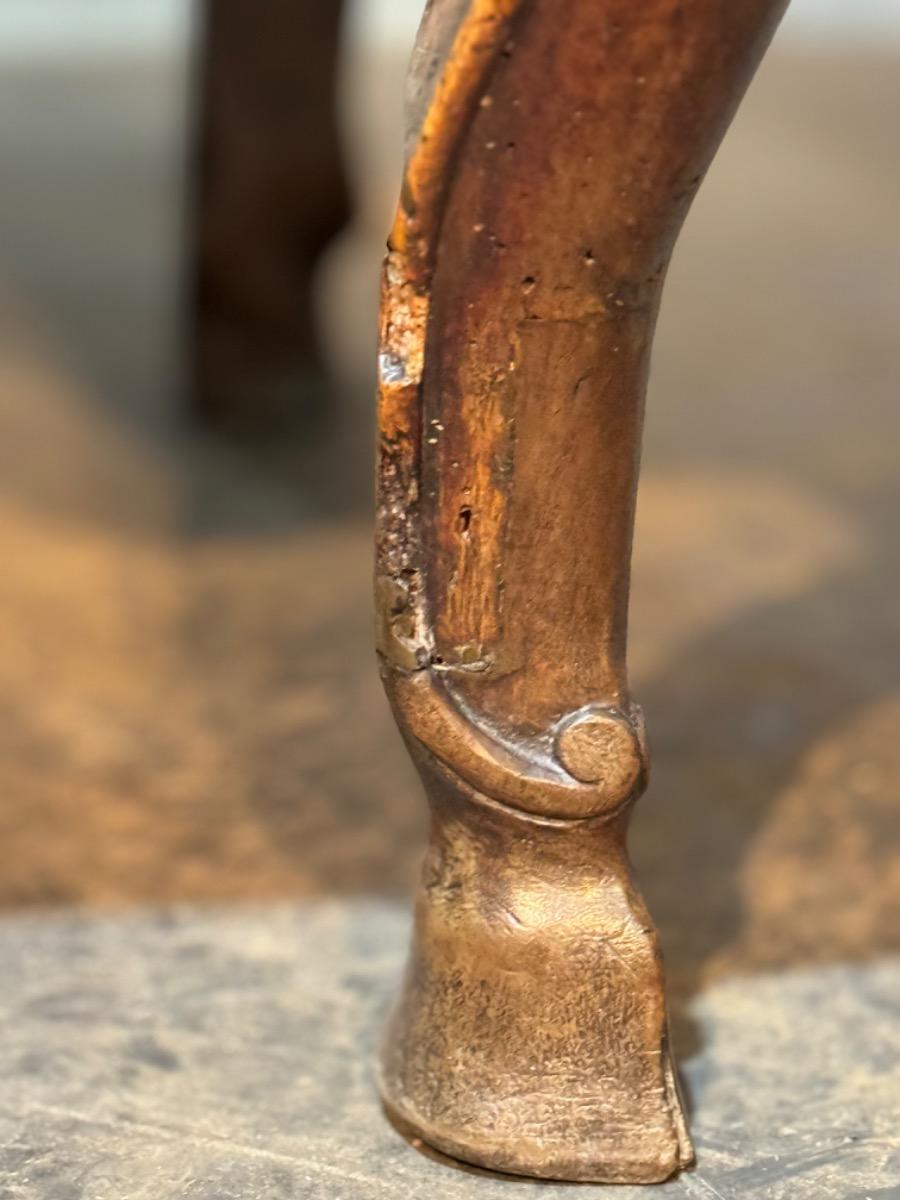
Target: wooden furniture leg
{"points": [[554, 149], [269, 194]]}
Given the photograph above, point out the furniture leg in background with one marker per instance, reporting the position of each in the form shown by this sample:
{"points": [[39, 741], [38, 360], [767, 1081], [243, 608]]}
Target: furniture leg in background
{"points": [[268, 195], [554, 150]]}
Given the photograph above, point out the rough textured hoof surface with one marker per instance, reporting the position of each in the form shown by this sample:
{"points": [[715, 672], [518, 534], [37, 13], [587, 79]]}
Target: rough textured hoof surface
{"points": [[585, 1164], [530, 1034]]}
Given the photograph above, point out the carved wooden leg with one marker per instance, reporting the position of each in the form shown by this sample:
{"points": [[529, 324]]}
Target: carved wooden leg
{"points": [[555, 146]]}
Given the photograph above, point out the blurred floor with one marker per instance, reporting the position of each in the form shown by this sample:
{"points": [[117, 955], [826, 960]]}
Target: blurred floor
{"points": [[190, 704]]}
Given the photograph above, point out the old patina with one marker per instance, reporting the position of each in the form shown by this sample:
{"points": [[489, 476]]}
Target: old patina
{"points": [[554, 149]]}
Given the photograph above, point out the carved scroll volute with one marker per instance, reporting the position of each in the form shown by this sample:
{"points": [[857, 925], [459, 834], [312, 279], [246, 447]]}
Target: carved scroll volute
{"points": [[555, 147]]}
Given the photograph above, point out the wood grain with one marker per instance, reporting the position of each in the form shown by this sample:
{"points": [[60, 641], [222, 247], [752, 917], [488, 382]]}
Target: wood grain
{"points": [[554, 153]]}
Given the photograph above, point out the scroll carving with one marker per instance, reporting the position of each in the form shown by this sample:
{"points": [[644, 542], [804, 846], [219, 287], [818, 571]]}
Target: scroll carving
{"points": [[553, 152]]}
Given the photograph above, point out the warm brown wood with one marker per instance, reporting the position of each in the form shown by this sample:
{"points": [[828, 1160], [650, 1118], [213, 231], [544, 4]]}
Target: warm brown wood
{"points": [[554, 151], [269, 194]]}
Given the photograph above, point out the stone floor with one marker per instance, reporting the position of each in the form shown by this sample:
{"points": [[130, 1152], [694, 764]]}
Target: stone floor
{"points": [[190, 714], [226, 1054]]}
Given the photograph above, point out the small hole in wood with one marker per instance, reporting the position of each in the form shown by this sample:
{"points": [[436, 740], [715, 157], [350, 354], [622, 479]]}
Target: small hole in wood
{"points": [[465, 520]]}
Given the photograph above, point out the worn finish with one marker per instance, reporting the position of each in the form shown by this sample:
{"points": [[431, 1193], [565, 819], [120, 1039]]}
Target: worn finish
{"points": [[552, 158]]}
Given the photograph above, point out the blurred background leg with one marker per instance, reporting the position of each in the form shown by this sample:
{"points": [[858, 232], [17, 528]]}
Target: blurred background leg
{"points": [[268, 195]]}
